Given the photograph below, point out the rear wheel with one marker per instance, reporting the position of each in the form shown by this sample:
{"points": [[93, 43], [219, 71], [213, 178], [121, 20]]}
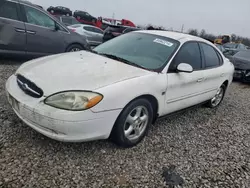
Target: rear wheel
{"points": [[133, 123], [74, 48], [217, 99]]}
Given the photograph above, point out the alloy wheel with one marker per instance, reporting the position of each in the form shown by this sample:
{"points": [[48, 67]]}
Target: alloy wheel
{"points": [[218, 97], [74, 50], [136, 123]]}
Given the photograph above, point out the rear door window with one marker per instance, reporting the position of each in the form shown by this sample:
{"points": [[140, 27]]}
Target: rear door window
{"points": [[9, 10], [88, 28], [211, 56], [97, 30]]}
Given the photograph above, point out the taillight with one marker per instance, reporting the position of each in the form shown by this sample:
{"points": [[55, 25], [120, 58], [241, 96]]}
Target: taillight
{"points": [[74, 30]]}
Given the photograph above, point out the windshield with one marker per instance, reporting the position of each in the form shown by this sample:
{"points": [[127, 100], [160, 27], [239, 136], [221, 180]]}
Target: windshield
{"points": [[230, 45], [145, 50]]}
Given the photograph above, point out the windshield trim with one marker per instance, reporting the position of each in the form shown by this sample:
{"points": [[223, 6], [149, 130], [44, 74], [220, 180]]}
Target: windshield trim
{"points": [[161, 68]]}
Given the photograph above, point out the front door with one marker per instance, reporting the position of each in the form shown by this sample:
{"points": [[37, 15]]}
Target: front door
{"points": [[12, 29], [185, 89], [42, 36]]}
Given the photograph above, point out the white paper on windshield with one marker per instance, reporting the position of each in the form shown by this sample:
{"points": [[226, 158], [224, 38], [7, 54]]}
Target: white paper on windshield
{"points": [[163, 42]]}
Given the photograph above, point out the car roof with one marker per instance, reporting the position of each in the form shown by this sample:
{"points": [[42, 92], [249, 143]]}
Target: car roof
{"points": [[87, 25], [23, 1], [175, 35], [64, 16]]}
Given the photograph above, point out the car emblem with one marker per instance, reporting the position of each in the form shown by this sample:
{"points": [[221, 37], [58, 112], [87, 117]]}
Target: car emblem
{"points": [[25, 86]]}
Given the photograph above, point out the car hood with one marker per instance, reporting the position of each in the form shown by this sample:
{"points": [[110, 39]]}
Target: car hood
{"points": [[77, 71], [241, 63]]}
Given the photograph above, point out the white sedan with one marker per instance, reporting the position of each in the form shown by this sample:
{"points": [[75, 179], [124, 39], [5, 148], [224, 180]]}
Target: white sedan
{"points": [[121, 88]]}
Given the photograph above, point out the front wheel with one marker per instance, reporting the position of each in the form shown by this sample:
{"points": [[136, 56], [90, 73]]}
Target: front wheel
{"points": [[217, 99], [133, 123], [74, 48]]}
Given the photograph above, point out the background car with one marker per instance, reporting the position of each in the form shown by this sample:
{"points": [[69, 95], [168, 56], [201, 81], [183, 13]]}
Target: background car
{"points": [[85, 17], [233, 48], [93, 34], [225, 52], [113, 31], [130, 29], [67, 20], [59, 10], [241, 61], [35, 33]]}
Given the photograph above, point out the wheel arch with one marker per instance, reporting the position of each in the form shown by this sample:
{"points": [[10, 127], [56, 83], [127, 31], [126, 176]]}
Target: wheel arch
{"points": [[74, 43], [226, 82], [153, 101]]}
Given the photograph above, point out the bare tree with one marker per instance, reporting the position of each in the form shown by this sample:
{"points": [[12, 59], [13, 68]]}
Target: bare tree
{"points": [[193, 32]]}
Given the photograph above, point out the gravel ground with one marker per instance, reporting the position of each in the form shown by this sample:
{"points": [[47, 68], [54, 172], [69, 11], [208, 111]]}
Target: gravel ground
{"points": [[208, 148]]}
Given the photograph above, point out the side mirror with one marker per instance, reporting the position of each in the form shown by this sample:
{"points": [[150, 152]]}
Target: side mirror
{"points": [[184, 67]]}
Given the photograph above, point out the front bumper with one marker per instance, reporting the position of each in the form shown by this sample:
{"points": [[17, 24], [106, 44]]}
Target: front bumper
{"points": [[61, 125], [243, 75]]}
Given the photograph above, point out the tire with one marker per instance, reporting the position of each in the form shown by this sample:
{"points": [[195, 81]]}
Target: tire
{"points": [[136, 126], [74, 48], [220, 96]]}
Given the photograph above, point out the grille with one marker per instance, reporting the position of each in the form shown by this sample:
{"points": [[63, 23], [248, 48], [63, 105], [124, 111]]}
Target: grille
{"points": [[29, 87]]}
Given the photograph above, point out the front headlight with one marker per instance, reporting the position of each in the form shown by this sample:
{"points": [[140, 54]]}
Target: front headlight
{"points": [[74, 100]]}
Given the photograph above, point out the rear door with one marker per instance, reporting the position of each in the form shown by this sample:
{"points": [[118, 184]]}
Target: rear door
{"points": [[42, 36], [214, 71], [12, 29]]}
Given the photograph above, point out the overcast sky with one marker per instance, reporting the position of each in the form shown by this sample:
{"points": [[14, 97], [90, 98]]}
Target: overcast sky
{"points": [[215, 16]]}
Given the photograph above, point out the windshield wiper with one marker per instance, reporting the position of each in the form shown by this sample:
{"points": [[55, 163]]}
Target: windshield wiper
{"points": [[122, 60]]}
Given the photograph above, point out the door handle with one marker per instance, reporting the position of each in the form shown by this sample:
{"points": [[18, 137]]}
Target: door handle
{"points": [[31, 32], [20, 30], [200, 79]]}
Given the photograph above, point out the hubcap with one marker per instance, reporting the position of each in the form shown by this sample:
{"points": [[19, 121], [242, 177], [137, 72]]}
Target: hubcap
{"points": [[136, 123], [75, 50], [218, 97]]}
